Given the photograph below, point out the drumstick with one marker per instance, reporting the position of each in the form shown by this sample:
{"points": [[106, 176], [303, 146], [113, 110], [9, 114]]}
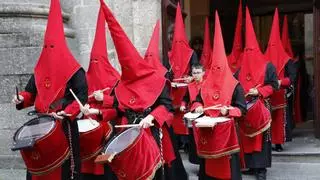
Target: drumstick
{"points": [[91, 95], [127, 126], [76, 98], [17, 93], [219, 108], [180, 79], [210, 107]]}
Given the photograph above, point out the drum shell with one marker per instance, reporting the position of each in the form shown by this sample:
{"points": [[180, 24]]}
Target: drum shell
{"points": [[140, 160], [48, 153], [92, 142], [257, 120], [218, 141]]}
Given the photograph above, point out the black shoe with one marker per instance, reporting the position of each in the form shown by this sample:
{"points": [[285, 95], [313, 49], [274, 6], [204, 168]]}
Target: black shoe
{"points": [[278, 148], [261, 174], [248, 172]]}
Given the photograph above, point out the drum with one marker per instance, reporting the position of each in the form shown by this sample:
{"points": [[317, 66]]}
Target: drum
{"points": [[190, 117], [93, 136], [42, 144], [257, 120], [215, 137], [132, 155], [178, 85]]}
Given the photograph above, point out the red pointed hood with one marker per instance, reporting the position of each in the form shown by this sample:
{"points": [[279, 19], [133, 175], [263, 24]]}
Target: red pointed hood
{"points": [[140, 83], [100, 73], [206, 52], [254, 63], [152, 55], [180, 54], [285, 37], [234, 57], [56, 64], [219, 85], [275, 51]]}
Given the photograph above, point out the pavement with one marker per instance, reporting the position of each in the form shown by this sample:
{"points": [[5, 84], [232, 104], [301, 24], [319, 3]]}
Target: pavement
{"points": [[300, 160]]}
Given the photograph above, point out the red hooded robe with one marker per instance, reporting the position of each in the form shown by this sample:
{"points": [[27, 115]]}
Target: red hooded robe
{"points": [[179, 58], [278, 56], [218, 143]]}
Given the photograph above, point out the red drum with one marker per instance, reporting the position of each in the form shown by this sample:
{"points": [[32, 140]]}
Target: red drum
{"points": [[216, 141], [132, 155], [93, 135], [257, 120], [42, 144]]}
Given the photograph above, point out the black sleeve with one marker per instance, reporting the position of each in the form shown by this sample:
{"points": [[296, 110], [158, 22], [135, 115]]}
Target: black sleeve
{"points": [[31, 86], [236, 74], [78, 84], [239, 100], [291, 71], [186, 97], [198, 98], [164, 99], [271, 77]]}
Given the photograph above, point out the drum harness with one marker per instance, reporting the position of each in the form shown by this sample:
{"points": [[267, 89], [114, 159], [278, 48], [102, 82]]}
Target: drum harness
{"points": [[135, 118]]}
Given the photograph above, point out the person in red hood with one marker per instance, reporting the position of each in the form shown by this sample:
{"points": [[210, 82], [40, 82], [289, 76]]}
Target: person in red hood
{"points": [[101, 78], [193, 90], [259, 79], [142, 96], [218, 146], [286, 72], [181, 58], [48, 90], [234, 59]]}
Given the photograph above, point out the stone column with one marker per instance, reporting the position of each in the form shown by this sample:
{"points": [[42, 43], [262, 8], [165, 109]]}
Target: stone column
{"points": [[22, 27]]}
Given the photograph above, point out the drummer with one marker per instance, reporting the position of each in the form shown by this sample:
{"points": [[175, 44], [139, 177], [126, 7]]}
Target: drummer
{"points": [[181, 59], [259, 79], [142, 96], [193, 90], [48, 90], [101, 78], [222, 90]]}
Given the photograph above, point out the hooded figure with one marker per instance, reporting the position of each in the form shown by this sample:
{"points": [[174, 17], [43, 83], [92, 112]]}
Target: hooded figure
{"points": [[181, 58], [206, 52], [48, 90], [287, 46], [143, 92], [101, 76], [152, 55], [234, 59], [286, 73], [259, 80], [218, 146]]}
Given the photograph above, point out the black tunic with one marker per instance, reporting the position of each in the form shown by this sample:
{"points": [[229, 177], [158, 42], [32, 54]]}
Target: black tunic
{"points": [[263, 159], [291, 73], [78, 84], [239, 101]]}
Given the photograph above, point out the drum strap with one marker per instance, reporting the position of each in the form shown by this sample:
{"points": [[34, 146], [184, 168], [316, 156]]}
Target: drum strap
{"points": [[135, 117], [72, 162]]}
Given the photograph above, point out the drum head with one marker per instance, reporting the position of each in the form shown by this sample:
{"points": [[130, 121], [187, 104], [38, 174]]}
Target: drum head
{"points": [[191, 116], [207, 121], [122, 141], [35, 128], [85, 125]]}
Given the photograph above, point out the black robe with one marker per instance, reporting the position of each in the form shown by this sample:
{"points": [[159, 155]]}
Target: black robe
{"points": [[263, 159], [78, 84], [239, 101], [291, 73]]}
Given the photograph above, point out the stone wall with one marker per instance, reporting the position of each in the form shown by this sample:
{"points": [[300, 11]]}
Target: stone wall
{"points": [[22, 26]]}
